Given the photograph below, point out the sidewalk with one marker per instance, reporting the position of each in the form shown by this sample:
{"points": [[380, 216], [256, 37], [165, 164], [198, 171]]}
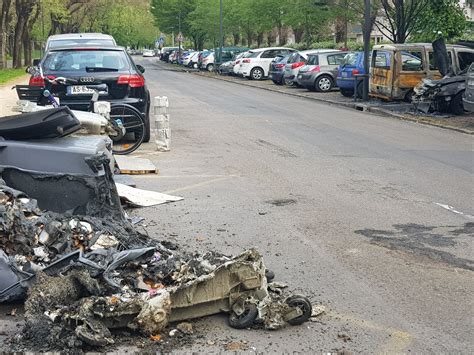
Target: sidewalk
{"points": [[8, 96]]}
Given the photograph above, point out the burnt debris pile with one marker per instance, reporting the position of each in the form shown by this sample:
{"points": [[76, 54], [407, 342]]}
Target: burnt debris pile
{"points": [[85, 277]]}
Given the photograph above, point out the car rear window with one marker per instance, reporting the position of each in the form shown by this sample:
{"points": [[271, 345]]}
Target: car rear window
{"points": [[252, 54], [85, 61], [80, 41], [313, 60], [350, 59]]}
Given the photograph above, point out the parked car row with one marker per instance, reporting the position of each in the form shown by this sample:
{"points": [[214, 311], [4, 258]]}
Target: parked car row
{"points": [[395, 70]]}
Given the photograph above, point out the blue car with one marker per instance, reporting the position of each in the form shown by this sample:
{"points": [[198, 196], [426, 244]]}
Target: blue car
{"points": [[277, 69], [353, 64]]}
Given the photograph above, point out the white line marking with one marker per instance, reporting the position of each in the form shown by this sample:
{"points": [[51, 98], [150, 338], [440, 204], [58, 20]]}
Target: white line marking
{"points": [[452, 209]]}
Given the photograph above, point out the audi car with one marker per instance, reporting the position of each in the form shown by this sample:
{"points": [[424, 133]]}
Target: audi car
{"points": [[92, 66]]}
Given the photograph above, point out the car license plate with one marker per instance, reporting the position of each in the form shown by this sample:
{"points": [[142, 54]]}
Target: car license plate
{"points": [[79, 90], [344, 74]]}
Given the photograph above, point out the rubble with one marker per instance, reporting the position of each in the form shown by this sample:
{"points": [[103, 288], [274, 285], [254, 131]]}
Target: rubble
{"points": [[86, 277]]}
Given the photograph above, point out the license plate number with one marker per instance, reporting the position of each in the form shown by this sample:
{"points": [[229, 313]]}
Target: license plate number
{"points": [[79, 90], [344, 74]]}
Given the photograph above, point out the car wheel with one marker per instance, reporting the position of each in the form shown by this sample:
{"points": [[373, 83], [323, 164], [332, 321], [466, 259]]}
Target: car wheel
{"points": [[323, 84], [256, 74], [210, 67], [347, 92], [246, 319], [456, 105]]}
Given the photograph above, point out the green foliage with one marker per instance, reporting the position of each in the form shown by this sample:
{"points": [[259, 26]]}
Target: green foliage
{"points": [[440, 18], [7, 75]]}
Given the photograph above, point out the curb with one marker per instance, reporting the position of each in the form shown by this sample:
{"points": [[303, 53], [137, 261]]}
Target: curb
{"points": [[353, 105]]}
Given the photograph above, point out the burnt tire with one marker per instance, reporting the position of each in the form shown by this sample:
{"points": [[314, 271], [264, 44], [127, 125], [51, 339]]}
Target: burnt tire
{"points": [[210, 67], [303, 303], [347, 92], [246, 319], [456, 106], [324, 83]]}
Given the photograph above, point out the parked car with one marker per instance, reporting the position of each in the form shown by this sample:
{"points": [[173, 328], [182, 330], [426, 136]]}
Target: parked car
{"points": [[207, 61], [148, 53], [165, 53], [226, 68], [468, 99], [192, 60], [397, 68], [188, 57], [238, 60], [256, 64], [106, 65], [277, 69], [79, 39], [320, 71], [296, 61], [352, 65]]}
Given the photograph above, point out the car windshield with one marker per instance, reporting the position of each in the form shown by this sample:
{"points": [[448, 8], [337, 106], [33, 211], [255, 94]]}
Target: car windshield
{"points": [[313, 60], [85, 61], [80, 41]]}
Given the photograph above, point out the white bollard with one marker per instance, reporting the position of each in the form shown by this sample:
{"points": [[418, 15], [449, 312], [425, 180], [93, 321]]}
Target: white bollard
{"points": [[162, 123]]}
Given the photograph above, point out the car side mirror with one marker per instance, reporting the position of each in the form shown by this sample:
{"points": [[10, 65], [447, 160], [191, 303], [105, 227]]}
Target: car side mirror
{"points": [[140, 68], [36, 62]]}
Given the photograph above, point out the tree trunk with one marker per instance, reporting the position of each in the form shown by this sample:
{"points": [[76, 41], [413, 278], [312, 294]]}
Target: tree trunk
{"points": [[259, 39], [17, 42], [236, 38], [298, 34], [5, 9]]}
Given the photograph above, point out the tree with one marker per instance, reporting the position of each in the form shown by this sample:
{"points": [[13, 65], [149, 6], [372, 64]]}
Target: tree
{"points": [[24, 11], [443, 18], [400, 19], [4, 20]]}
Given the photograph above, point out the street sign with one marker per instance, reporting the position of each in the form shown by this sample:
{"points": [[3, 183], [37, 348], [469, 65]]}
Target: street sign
{"points": [[180, 37]]}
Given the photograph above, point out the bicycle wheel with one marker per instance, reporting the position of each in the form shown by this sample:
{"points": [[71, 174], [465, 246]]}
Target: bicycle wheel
{"points": [[129, 126]]}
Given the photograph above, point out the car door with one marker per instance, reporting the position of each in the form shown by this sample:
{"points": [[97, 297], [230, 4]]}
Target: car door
{"points": [[381, 74]]}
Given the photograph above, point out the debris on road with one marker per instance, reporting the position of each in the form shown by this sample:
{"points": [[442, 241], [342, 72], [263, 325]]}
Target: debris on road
{"points": [[135, 166], [85, 277], [143, 198]]}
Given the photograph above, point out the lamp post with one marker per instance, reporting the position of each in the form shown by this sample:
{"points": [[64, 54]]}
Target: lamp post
{"points": [[367, 29], [221, 33]]}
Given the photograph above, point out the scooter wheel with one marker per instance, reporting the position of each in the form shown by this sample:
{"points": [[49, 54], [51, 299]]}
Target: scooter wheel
{"points": [[246, 319], [301, 302]]}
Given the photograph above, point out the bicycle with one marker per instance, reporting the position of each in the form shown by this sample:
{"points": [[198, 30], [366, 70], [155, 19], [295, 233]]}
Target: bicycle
{"points": [[123, 120]]}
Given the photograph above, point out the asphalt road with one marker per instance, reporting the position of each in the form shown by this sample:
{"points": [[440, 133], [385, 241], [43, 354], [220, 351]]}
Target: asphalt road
{"points": [[348, 208]]}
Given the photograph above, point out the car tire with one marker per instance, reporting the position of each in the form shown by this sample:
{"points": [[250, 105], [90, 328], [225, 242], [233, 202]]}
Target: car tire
{"points": [[324, 83], [256, 73], [456, 106], [347, 92], [210, 67]]}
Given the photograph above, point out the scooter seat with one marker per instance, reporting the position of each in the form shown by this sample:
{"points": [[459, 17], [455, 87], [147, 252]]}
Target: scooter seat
{"points": [[43, 124]]}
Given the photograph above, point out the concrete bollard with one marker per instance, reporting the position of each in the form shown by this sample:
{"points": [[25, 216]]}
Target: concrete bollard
{"points": [[162, 123]]}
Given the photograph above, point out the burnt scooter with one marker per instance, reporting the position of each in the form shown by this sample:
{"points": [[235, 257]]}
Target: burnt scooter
{"points": [[443, 95]]}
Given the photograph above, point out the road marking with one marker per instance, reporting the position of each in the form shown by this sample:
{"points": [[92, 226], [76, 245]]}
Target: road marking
{"points": [[452, 209], [399, 339], [197, 185]]}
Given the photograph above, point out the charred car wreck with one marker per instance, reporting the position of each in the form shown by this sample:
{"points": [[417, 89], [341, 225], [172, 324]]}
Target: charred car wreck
{"points": [[443, 95]]}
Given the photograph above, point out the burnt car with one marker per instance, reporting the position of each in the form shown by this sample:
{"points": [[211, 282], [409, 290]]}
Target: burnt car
{"points": [[93, 66], [468, 99]]}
